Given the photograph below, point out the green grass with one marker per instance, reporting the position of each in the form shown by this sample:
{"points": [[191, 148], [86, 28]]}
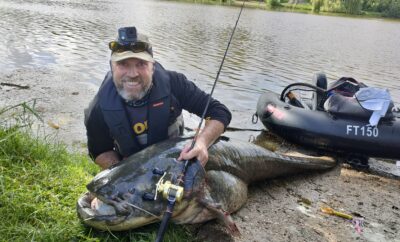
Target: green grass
{"points": [[40, 183]]}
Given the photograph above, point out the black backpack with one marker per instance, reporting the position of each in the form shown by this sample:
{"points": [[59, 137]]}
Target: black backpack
{"points": [[340, 100]]}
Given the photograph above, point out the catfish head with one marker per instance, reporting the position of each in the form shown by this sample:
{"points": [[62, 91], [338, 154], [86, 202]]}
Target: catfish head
{"points": [[126, 197]]}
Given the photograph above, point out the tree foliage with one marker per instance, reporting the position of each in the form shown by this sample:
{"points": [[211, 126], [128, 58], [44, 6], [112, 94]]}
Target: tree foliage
{"points": [[316, 5], [388, 8], [393, 9], [385, 8], [352, 6], [273, 3]]}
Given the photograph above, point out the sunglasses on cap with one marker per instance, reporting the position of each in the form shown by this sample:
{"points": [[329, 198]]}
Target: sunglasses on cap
{"points": [[135, 47]]}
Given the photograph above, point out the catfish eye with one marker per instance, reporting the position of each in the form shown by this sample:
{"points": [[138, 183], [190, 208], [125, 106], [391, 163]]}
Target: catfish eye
{"points": [[114, 195]]}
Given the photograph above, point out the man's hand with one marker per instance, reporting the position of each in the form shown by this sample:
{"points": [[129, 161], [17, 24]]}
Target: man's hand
{"points": [[212, 130], [199, 151], [107, 159]]}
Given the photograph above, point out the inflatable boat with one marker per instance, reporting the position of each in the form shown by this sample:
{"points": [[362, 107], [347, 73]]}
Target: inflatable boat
{"points": [[334, 119]]}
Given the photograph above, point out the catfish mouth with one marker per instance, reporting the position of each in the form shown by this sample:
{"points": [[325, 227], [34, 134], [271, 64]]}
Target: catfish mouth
{"points": [[106, 214], [98, 214]]}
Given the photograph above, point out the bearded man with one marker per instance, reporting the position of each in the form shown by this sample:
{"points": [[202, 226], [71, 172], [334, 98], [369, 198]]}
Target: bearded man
{"points": [[140, 103]]}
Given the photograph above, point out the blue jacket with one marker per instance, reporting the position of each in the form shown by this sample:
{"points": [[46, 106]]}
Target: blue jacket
{"points": [[107, 123]]}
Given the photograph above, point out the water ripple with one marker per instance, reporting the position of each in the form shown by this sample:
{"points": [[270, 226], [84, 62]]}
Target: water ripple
{"points": [[269, 49]]}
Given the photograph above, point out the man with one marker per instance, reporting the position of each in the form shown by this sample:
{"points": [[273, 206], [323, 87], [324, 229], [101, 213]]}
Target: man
{"points": [[140, 103]]}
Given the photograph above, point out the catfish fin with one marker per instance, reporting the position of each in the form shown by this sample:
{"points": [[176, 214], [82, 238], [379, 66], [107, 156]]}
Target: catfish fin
{"points": [[222, 215]]}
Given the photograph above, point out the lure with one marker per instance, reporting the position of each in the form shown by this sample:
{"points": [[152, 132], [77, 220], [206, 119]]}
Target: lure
{"points": [[357, 222]]}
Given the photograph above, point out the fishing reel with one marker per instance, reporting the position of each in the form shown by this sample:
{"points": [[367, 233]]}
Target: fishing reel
{"points": [[171, 191], [168, 190]]}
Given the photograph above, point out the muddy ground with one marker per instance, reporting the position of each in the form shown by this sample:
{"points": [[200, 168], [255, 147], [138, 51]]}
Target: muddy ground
{"points": [[285, 209]]}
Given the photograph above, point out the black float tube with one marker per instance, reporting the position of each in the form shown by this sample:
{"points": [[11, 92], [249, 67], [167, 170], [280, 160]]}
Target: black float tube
{"points": [[171, 199], [317, 89]]}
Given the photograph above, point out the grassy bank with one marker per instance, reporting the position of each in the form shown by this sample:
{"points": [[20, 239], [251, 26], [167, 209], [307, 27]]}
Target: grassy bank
{"points": [[40, 183]]}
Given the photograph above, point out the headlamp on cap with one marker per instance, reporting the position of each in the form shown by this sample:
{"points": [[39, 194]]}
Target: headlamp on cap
{"points": [[128, 40], [127, 35]]}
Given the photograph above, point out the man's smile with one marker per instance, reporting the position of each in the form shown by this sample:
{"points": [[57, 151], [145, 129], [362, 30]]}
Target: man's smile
{"points": [[132, 83]]}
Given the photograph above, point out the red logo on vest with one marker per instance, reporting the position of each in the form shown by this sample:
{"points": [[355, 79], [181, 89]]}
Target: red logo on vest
{"points": [[158, 104]]}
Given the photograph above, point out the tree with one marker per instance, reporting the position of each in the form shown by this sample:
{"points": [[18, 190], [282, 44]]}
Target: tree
{"points": [[393, 9], [352, 6], [272, 3], [316, 5]]}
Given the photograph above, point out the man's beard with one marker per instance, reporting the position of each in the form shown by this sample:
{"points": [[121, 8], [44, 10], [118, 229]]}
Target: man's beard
{"points": [[129, 96]]}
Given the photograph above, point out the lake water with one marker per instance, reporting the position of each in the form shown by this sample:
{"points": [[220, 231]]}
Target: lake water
{"points": [[269, 49]]}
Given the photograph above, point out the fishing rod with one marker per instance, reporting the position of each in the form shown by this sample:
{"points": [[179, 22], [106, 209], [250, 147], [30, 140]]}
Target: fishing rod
{"points": [[176, 190]]}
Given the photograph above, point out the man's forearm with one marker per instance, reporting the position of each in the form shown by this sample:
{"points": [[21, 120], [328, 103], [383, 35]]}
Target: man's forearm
{"points": [[107, 159], [212, 130]]}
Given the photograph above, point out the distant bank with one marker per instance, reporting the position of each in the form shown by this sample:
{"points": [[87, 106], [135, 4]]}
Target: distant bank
{"points": [[359, 8]]}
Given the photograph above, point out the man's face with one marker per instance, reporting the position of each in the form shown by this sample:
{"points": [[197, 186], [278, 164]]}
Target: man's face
{"points": [[132, 78]]}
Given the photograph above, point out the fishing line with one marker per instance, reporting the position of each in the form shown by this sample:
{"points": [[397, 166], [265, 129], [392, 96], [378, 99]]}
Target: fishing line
{"points": [[171, 201], [143, 210], [216, 80], [213, 87]]}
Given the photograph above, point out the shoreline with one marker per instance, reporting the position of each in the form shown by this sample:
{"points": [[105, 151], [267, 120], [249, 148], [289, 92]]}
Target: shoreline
{"points": [[293, 8], [60, 106], [280, 209]]}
